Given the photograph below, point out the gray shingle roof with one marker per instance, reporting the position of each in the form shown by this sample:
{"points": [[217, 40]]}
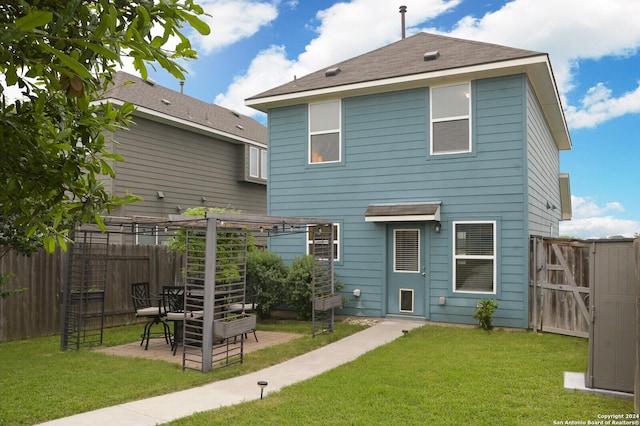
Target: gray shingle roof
{"points": [[403, 58], [151, 96]]}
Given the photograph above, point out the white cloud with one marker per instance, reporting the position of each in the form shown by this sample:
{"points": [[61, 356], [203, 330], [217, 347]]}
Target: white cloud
{"points": [[599, 227], [344, 30], [598, 106], [233, 20], [585, 207], [591, 220], [265, 71]]}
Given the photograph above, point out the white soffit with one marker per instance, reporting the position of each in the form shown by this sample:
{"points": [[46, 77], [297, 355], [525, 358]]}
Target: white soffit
{"points": [[565, 197]]}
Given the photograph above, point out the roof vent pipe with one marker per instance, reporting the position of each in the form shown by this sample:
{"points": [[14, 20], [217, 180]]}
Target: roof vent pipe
{"points": [[181, 86], [403, 10]]}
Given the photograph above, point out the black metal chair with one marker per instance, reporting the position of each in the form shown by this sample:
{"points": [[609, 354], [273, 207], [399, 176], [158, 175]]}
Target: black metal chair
{"points": [[173, 303], [143, 303]]}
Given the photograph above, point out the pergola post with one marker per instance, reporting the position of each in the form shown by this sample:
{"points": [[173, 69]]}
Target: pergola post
{"points": [[209, 295]]}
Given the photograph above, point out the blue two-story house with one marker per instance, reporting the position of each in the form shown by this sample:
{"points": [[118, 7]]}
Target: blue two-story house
{"points": [[437, 158]]}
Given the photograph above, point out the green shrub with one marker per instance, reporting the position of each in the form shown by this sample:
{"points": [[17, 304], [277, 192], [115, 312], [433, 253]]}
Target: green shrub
{"points": [[484, 313], [266, 275], [298, 292], [298, 286]]}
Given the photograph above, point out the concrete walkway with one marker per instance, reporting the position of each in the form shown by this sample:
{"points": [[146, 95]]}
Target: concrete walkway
{"points": [[162, 409]]}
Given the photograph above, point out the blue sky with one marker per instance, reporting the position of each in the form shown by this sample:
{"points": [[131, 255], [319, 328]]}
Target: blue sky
{"points": [[593, 45]]}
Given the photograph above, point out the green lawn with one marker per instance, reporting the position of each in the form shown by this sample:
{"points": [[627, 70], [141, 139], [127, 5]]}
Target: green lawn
{"points": [[38, 382], [442, 376]]}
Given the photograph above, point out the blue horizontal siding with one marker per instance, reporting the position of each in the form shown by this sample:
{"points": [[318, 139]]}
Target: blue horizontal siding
{"points": [[386, 159]]}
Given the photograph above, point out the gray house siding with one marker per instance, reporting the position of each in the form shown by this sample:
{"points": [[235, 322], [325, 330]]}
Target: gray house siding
{"points": [[185, 166], [386, 160], [544, 169]]}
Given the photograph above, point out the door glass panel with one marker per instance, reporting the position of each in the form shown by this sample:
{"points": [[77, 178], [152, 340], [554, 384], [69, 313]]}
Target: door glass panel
{"points": [[406, 250]]}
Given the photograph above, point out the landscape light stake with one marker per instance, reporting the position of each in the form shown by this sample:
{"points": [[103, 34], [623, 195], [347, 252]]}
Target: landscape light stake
{"points": [[262, 384]]}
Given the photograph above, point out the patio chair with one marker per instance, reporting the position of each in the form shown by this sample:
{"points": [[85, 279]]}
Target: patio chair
{"points": [[173, 303], [143, 303]]}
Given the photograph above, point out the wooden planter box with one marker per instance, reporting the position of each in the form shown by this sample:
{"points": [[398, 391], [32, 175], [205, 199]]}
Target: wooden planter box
{"points": [[327, 302], [234, 327]]}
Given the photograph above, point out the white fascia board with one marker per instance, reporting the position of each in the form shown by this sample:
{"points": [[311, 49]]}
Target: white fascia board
{"points": [[498, 68], [178, 122]]}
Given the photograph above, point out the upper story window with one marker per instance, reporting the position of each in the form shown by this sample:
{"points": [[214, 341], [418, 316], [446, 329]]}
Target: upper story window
{"points": [[257, 163], [450, 119], [474, 256], [324, 132]]}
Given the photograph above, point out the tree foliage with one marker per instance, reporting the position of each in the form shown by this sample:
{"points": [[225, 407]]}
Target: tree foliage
{"points": [[62, 54]]}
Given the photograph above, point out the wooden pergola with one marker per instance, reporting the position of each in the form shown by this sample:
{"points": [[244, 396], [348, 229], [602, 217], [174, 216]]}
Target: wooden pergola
{"points": [[215, 276]]}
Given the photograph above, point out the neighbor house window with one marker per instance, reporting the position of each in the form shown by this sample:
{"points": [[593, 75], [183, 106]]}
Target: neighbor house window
{"points": [[257, 163], [474, 257], [324, 132], [146, 235], [263, 164], [318, 241], [450, 119]]}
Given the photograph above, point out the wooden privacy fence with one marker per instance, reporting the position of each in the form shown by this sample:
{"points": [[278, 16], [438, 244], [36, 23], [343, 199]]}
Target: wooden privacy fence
{"points": [[559, 290], [37, 310]]}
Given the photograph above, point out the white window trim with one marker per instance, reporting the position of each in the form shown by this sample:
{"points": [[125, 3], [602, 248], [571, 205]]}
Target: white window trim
{"points": [[336, 243], [452, 118], [253, 151], [264, 159], [494, 257], [395, 231], [260, 163], [325, 132]]}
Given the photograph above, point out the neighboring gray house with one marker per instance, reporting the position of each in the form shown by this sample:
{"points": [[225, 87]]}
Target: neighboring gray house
{"points": [[182, 152], [437, 158]]}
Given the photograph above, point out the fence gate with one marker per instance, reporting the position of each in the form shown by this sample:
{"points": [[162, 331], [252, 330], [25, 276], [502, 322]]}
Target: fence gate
{"points": [[559, 286], [612, 340]]}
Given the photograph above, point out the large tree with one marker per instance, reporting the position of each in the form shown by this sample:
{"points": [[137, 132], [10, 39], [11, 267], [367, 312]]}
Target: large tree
{"points": [[62, 54]]}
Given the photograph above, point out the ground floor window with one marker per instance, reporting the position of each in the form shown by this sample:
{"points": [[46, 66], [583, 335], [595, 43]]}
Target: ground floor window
{"points": [[323, 242], [474, 257]]}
